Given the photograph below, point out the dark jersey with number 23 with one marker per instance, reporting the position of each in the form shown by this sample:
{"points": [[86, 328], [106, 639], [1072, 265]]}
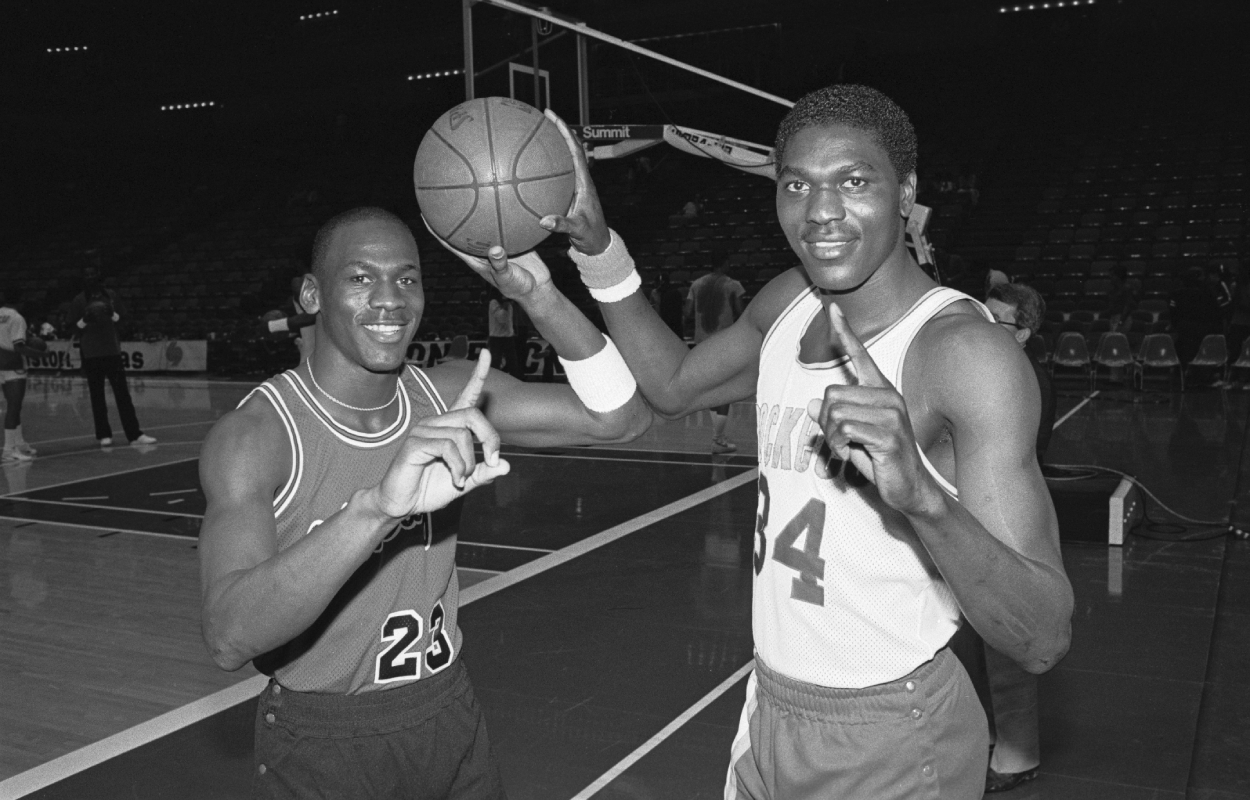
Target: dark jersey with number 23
{"points": [[394, 621]]}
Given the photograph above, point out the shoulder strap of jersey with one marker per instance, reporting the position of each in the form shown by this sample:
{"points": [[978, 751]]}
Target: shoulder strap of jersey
{"points": [[798, 300], [270, 392], [926, 309], [427, 385]]}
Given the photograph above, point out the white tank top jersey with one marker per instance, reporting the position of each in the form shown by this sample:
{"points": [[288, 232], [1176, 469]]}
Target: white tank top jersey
{"points": [[845, 594]]}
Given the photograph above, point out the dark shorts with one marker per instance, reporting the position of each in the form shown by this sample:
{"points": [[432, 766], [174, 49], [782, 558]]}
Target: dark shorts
{"points": [[922, 736], [423, 740]]}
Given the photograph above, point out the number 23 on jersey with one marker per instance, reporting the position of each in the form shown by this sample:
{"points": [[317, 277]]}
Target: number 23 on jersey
{"points": [[808, 585], [401, 632]]}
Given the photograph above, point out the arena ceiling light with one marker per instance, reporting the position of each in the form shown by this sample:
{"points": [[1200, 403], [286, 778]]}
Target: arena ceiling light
{"points": [[66, 49], [187, 106], [447, 73], [319, 15], [1046, 6]]}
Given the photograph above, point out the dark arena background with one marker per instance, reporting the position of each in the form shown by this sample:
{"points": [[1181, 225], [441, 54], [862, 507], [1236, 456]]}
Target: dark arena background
{"points": [[188, 152]]}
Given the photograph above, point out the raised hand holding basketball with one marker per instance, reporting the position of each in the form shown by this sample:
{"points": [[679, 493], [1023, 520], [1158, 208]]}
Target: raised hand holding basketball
{"points": [[436, 463], [867, 424], [585, 225], [515, 276]]}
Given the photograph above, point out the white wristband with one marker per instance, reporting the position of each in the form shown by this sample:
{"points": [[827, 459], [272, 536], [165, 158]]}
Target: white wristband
{"points": [[602, 382], [617, 293], [607, 269]]}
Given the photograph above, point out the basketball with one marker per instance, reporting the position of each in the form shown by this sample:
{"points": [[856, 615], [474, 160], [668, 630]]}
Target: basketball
{"points": [[488, 170], [35, 343]]}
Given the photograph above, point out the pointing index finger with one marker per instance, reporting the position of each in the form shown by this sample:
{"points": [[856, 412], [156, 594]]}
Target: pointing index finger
{"points": [[865, 368], [472, 390]]}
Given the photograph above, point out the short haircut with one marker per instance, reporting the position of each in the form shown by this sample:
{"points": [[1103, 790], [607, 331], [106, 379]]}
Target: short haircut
{"points": [[1029, 305], [325, 234], [855, 106]]}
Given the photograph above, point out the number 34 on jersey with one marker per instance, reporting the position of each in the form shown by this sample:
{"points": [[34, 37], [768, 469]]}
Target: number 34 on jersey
{"points": [[809, 523]]}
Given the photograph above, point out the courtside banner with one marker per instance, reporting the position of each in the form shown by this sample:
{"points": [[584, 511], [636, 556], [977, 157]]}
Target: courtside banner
{"points": [[170, 355], [539, 360]]}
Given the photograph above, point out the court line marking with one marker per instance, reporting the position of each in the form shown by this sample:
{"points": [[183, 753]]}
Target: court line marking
{"points": [[613, 458], [671, 728], [541, 565], [124, 509], [91, 497], [504, 547], [175, 491], [89, 526], [668, 730], [97, 477], [170, 722], [146, 428], [1075, 408], [142, 450]]}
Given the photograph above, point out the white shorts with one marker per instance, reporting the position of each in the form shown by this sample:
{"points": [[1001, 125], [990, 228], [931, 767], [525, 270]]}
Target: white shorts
{"points": [[7, 375]]}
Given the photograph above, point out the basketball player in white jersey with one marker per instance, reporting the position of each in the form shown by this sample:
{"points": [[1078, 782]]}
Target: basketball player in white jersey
{"points": [[899, 494], [327, 558]]}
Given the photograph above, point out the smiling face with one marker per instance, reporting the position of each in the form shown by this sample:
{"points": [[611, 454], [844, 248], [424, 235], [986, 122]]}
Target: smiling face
{"points": [[367, 293], [841, 205]]}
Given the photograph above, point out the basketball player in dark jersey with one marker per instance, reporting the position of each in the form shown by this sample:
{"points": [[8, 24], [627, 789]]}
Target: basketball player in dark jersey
{"points": [[328, 544], [899, 489]]}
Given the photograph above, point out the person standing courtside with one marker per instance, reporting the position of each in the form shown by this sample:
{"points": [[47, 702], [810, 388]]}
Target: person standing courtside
{"points": [[899, 493], [13, 348], [714, 303], [502, 339], [327, 551], [94, 313], [1016, 755]]}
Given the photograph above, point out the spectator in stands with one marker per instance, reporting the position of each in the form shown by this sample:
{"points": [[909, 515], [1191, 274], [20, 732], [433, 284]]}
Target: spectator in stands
{"points": [[1016, 753], [1195, 313], [1122, 297], [95, 315], [715, 301], [504, 350], [667, 301]]}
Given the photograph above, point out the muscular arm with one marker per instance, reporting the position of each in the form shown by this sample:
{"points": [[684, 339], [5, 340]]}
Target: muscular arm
{"points": [[997, 546], [677, 379], [253, 597], [547, 414]]}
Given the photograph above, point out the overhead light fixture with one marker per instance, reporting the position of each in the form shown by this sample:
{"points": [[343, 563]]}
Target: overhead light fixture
{"points": [[184, 106], [1047, 6], [442, 74], [319, 15]]}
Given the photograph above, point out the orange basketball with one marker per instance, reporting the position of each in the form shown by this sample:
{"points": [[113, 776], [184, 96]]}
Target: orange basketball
{"points": [[488, 170]]}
